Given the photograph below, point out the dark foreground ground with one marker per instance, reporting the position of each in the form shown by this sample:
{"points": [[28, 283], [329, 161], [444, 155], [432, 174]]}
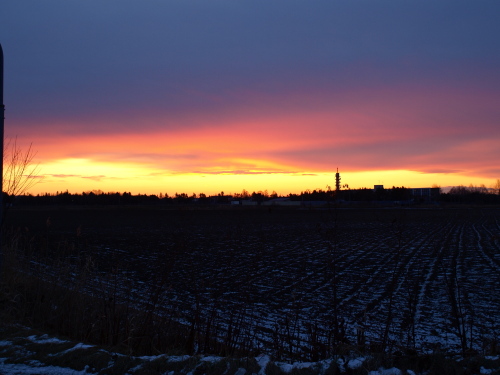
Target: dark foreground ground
{"points": [[291, 283]]}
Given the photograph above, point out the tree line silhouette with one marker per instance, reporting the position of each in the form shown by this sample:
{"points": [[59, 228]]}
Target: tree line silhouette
{"points": [[458, 194]]}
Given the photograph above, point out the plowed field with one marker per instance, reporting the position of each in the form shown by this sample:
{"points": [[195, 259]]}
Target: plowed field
{"points": [[295, 282]]}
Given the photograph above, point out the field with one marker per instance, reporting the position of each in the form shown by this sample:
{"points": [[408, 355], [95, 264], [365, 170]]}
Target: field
{"points": [[293, 283]]}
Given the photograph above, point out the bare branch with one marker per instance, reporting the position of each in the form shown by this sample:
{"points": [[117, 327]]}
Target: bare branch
{"points": [[20, 174]]}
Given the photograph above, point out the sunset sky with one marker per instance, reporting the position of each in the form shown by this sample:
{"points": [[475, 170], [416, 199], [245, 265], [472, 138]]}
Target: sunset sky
{"points": [[208, 96]]}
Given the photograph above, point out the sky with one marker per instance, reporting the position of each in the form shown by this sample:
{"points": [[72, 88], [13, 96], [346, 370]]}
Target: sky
{"points": [[200, 96]]}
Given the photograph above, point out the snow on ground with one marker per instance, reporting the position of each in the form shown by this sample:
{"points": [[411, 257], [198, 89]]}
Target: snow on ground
{"points": [[23, 352], [391, 371], [16, 359], [45, 339], [262, 361], [37, 369]]}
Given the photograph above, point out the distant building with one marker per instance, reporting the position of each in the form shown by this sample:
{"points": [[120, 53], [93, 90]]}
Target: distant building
{"points": [[378, 187]]}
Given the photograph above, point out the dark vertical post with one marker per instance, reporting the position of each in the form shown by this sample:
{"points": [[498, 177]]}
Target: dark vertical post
{"points": [[2, 113]]}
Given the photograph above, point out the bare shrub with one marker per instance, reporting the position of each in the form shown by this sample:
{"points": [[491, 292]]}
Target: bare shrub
{"points": [[19, 171]]}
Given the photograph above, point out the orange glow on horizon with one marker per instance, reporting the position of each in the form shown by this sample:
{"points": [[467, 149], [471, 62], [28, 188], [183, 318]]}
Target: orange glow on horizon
{"points": [[134, 179], [210, 163], [372, 139]]}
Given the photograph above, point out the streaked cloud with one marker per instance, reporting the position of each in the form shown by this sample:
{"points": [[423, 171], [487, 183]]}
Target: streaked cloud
{"points": [[95, 178]]}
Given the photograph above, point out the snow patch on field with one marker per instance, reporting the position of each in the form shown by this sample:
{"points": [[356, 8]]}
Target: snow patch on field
{"points": [[45, 339], [355, 363], [37, 369], [391, 371]]}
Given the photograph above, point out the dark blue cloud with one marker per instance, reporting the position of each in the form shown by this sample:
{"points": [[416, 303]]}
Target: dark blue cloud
{"points": [[120, 58]]}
